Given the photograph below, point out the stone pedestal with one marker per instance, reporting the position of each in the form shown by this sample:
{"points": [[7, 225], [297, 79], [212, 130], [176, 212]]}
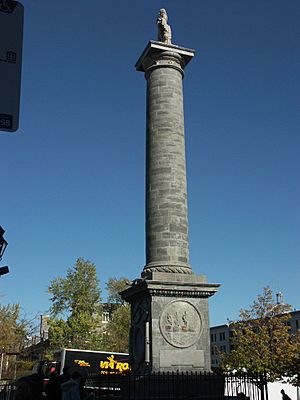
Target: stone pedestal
{"points": [[170, 322], [169, 306]]}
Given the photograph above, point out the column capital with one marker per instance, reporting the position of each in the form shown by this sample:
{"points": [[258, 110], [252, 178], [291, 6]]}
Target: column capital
{"points": [[158, 54]]}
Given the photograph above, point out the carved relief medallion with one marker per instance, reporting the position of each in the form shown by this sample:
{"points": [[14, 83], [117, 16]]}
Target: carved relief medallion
{"points": [[180, 323]]}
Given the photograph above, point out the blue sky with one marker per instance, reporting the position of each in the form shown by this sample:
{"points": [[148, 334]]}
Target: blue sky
{"points": [[72, 181]]}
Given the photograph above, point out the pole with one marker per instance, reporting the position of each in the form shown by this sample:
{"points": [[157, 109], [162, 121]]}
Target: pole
{"points": [[147, 343], [1, 365]]}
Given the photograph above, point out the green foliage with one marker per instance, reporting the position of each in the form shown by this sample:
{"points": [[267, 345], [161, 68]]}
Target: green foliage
{"points": [[117, 333], [13, 328], [59, 334], [114, 286], [75, 308], [23, 367], [78, 292], [13, 332], [293, 369], [262, 342], [76, 311]]}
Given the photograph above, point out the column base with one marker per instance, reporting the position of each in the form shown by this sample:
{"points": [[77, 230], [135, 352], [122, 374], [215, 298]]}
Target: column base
{"points": [[167, 267], [171, 310]]}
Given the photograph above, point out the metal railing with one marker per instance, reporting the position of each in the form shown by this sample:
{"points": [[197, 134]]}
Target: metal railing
{"points": [[180, 386], [7, 391], [168, 386]]}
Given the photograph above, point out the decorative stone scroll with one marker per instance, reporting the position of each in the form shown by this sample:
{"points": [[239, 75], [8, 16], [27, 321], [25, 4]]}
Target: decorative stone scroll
{"points": [[168, 268], [180, 323]]}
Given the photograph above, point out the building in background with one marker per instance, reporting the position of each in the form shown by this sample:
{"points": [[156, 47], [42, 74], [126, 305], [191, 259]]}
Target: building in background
{"points": [[220, 337], [44, 327], [219, 343]]}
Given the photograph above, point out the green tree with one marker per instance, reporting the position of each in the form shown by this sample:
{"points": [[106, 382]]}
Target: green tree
{"points": [[14, 328], [293, 369], [13, 331], [117, 332], [114, 286], [261, 340], [75, 310]]}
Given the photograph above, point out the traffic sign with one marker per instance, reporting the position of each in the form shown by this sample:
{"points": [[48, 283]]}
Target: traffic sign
{"points": [[11, 39]]}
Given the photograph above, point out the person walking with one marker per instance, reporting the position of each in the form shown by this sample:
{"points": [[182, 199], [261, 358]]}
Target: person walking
{"points": [[52, 388], [29, 388], [71, 389], [284, 395]]}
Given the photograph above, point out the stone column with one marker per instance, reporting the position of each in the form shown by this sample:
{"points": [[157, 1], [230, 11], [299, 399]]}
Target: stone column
{"points": [[167, 248], [169, 303]]}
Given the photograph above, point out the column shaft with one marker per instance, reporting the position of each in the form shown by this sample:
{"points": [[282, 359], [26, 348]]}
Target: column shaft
{"points": [[167, 247]]}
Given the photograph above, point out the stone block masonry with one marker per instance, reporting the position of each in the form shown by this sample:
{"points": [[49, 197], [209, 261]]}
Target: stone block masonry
{"points": [[166, 193], [169, 303], [167, 245]]}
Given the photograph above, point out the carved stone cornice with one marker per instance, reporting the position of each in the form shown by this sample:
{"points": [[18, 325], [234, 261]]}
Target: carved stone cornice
{"points": [[154, 49], [142, 287], [181, 293]]}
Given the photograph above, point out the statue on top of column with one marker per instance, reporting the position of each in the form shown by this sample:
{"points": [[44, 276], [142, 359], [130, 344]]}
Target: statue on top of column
{"points": [[164, 30]]}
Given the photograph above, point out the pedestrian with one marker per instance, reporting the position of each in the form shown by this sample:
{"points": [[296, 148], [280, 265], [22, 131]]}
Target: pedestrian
{"points": [[284, 395], [64, 377], [52, 387], [29, 388], [71, 389]]}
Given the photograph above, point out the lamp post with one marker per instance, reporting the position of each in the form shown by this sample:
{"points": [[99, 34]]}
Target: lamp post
{"points": [[1, 363], [4, 270], [3, 244]]}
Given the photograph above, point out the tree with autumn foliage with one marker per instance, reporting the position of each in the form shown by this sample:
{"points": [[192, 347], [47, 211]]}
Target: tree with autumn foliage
{"points": [[14, 328], [261, 340]]}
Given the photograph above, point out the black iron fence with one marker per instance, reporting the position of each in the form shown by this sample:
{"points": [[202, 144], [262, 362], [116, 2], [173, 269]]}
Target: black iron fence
{"points": [[169, 386], [179, 386], [7, 392]]}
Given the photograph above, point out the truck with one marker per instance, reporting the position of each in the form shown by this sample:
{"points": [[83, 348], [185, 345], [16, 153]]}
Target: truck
{"points": [[93, 365]]}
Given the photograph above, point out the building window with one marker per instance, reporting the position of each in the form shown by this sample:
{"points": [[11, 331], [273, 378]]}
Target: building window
{"points": [[105, 317], [288, 324], [222, 336], [223, 349], [213, 337]]}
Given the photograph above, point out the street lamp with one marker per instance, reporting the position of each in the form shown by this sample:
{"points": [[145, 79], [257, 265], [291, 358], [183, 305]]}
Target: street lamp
{"points": [[4, 270], [3, 242]]}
